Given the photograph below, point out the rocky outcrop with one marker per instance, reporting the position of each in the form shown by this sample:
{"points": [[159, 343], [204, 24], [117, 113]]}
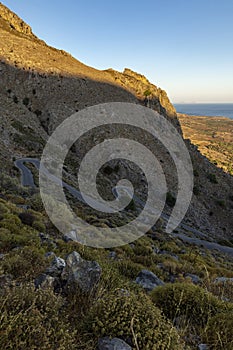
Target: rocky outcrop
{"points": [[148, 280], [112, 344], [72, 273], [15, 21], [148, 93]]}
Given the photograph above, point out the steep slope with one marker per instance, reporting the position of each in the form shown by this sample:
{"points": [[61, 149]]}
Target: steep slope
{"points": [[41, 86]]}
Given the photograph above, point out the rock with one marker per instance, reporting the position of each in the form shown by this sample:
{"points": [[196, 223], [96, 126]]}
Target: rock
{"points": [[148, 280], [56, 268], [112, 255], [223, 280], [112, 344], [45, 281], [165, 252], [202, 347], [82, 273], [70, 236], [194, 278], [45, 239], [49, 254]]}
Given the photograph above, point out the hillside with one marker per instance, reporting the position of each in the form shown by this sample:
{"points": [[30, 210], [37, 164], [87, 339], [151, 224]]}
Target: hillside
{"points": [[213, 136], [162, 291]]}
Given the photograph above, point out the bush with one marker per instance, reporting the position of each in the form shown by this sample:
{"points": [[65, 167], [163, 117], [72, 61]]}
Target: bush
{"points": [[39, 226], [212, 178], [26, 263], [26, 101], [183, 299], [218, 333], [30, 320], [27, 218], [133, 318]]}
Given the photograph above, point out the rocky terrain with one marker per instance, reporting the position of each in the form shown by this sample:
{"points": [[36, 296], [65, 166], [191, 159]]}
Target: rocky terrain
{"points": [[160, 292]]}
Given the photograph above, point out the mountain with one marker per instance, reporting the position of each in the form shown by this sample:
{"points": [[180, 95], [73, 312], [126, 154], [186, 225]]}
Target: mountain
{"points": [[170, 291], [41, 86]]}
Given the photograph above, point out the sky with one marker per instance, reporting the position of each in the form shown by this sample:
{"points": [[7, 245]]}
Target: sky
{"points": [[183, 46]]}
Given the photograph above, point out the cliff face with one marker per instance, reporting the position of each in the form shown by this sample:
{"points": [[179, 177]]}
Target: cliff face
{"points": [[14, 21], [20, 48], [138, 84]]}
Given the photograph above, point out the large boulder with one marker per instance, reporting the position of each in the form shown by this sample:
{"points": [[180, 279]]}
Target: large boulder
{"points": [[81, 273], [112, 344], [148, 280]]}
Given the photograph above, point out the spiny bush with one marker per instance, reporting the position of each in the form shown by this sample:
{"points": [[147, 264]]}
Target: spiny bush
{"points": [[218, 333], [25, 263], [30, 320], [133, 318], [184, 299], [128, 268]]}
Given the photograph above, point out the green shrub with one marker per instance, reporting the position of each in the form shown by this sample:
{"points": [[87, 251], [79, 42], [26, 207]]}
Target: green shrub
{"points": [[128, 268], [218, 333], [26, 101], [26, 263], [30, 320], [27, 218], [184, 299], [134, 318], [39, 226], [212, 178]]}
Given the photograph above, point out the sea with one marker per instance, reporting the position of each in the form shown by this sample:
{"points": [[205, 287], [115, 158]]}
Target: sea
{"points": [[206, 109]]}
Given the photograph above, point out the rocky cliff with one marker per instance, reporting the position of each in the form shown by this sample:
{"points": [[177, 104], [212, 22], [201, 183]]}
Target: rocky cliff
{"points": [[14, 22]]}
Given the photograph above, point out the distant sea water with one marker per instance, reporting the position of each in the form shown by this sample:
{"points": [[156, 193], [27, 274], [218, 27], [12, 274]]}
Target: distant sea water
{"points": [[206, 109]]}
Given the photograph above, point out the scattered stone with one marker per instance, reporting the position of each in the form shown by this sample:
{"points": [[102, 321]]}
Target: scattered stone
{"points": [[112, 344], [148, 280], [194, 278], [45, 281], [45, 239], [49, 254], [165, 252], [82, 273], [70, 236], [112, 255], [223, 280], [56, 268]]}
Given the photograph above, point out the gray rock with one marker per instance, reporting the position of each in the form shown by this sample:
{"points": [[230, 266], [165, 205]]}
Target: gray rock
{"points": [[202, 347], [223, 280], [70, 236], [112, 255], [49, 254], [45, 281], [112, 344], [148, 280], [56, 268], [82, 273], [194, 278]]}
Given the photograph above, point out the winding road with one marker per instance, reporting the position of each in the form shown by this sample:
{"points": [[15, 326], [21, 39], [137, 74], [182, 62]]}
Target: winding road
{"points": [[27, 179]]}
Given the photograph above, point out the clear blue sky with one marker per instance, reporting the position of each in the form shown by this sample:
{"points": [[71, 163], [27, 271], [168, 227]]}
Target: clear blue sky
{"points": [[183, 46]]}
